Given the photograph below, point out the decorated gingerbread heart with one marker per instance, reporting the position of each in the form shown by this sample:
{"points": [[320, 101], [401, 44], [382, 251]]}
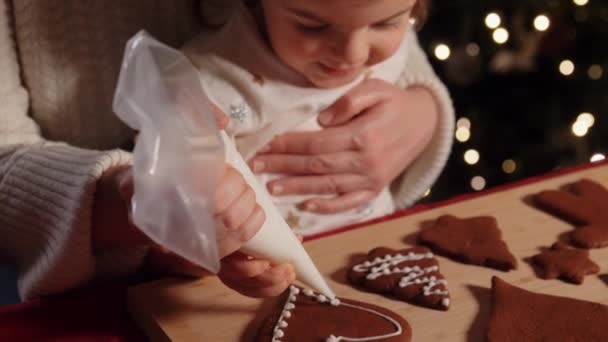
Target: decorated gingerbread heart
{"points": [[411, 275], [306, 316], [583, 204]]}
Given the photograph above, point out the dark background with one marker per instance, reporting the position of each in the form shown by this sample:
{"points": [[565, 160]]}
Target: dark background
{"points": [[520, 106]]}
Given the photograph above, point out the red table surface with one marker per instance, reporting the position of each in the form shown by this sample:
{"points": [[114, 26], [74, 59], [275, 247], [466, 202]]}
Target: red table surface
{"points": [[99, 313]]}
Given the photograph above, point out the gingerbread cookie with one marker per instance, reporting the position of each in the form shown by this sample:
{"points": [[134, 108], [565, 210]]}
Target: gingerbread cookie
{"points": [[304, 315], [570, 264], [520, 315], [475, 240], [583, 204], [412, 275]]}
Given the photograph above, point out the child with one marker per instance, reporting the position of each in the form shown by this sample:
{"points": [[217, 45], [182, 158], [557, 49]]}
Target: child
{"points": [[274, 65]]}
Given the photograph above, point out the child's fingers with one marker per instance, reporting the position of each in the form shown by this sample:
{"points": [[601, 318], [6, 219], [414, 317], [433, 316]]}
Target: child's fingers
{"points": [[220, 117], [238, 266], [263, 292], [231, 187], [270, 283], [272, 276]]}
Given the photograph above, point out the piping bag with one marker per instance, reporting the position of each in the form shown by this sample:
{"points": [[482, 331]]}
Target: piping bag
{"points": [[178, 159]]}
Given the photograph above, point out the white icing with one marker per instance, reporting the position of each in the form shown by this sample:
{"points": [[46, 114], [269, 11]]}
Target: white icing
{"points": [[413, 275], [278, 332]]}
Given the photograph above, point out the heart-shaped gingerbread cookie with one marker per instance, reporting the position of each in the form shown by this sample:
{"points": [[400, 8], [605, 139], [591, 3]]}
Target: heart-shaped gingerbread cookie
{"points": [[303, 315], [521, 315]]}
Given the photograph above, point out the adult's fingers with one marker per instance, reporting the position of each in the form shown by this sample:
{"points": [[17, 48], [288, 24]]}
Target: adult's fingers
{"points": [[298, 164], [340, 203], [354, 102], [319, 185], [331, 140]]}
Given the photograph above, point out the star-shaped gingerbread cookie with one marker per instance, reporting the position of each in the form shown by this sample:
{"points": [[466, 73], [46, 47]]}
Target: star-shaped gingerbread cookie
{"points": [[411, 275], [475, 240], [570, 264], [583, 204]]}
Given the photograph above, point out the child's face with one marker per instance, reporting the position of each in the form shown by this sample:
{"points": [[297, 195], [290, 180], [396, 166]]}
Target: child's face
{"points": [[332, 42]]}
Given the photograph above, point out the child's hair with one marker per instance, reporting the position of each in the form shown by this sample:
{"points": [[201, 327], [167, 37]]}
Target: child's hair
{"points": [[205, 10]]}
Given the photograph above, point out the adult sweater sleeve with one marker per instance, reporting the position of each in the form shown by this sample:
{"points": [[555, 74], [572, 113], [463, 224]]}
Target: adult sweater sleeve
{"points": [[46, 194], [424, 171]]}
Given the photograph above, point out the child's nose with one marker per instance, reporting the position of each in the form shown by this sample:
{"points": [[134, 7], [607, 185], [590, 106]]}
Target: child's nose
{"points": [[353, 49]]}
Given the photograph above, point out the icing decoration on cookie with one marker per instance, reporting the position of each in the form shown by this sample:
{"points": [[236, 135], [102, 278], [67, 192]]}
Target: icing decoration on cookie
{"points": [[475, 240], [570, 264], [583, 204], [411, 275], [298, 300]]}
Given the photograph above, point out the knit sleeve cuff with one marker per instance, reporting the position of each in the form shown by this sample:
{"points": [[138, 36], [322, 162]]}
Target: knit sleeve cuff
{"points": [[424, 171], [46, 199]]}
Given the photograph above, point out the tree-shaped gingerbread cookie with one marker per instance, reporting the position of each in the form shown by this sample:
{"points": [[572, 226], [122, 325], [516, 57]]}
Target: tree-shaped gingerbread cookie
{"points": [[583, 204]]}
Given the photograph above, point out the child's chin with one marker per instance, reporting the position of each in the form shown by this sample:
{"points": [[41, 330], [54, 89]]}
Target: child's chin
{"points": [[326, 82]]}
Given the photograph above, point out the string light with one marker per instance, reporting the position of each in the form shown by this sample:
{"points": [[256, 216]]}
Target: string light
{"points": [[566, 67], [597, 157], [478, 183], [580, 129], [586, 118], [509, 166], [493, 20], [580, 2], [595, 72], [541, 23], [427, 193], [471, 157], [463, 122], [463, 134], [500, 35], [472, 49], [442, 52]]}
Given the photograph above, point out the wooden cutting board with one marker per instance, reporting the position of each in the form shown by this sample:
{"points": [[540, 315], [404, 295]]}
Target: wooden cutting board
{"points": [[205, 310]]}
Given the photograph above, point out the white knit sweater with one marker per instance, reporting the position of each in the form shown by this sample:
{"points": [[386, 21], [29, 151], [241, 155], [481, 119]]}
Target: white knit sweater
{"points": [[58, 69], [277, 100], [68, 53]]}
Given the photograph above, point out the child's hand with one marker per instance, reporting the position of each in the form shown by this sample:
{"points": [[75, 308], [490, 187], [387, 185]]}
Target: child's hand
{"points": [[254, 277], [372, 134]]}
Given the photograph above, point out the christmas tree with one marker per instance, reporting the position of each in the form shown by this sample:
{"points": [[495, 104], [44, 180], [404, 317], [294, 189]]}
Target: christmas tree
{"points": [[530, 86]]}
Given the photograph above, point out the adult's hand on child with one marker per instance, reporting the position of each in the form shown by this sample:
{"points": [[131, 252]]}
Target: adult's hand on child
{"points": [[370, 136]]}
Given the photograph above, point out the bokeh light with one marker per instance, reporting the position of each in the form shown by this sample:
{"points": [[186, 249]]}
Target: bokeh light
{"points": [[442, 52], [493, 20], [500, 35], [597, 157], [542, 23], [471, 157], [478, 183], [509, 166], [566, 67]]}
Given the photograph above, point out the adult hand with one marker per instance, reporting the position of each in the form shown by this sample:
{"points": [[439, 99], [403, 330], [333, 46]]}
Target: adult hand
{"points": [[370, 136]]}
